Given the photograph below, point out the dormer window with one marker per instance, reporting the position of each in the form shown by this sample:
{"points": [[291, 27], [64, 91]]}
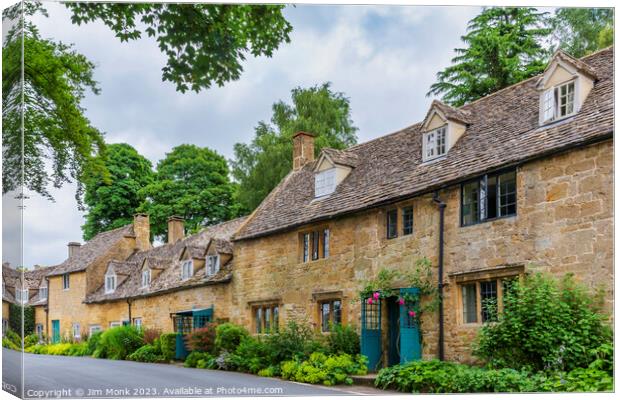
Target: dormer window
{"points": [[325, 182], [435, 143], [110, 283], [43, 292], [21, 295], [187, 269], [213, 265], [558, 102], [146, 278]]}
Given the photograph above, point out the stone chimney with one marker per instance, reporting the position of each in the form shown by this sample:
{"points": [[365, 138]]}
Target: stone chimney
{"points": [[303, 149], [73, 248], [176, 229], [142, 230]]}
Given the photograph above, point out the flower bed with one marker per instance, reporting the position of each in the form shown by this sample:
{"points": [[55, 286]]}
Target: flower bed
{"points": [[296, 354]]}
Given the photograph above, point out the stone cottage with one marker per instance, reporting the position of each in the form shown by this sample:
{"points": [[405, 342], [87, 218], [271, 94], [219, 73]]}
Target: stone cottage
{"points": [[518, 181]]}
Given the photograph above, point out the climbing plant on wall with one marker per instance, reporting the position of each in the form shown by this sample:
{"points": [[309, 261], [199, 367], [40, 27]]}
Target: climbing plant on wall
{"points": [[388, 281]]}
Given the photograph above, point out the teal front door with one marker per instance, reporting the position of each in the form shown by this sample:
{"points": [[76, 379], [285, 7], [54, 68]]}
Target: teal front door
{"points": [[410, 347], [55, 331], [371, 333], [185, 322]]}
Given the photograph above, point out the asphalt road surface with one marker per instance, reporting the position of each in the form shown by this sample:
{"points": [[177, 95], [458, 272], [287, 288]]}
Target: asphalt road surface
{"points": [[85, 377]]}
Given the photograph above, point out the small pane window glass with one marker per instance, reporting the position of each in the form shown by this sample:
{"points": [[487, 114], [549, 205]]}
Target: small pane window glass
{"points": [[392, 220], [488, 300], [468, 293], [407, 220]]}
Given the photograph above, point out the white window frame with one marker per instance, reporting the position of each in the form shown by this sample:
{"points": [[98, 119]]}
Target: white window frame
{"points": [[431, 145], [114, 324], [43, 292], [21, 295], [187, 269], [110, 288], [94, 328], [550, 102], [137, 322], [146, 278], [66, 281], [75, 330], [325, 182], [213, 264]]}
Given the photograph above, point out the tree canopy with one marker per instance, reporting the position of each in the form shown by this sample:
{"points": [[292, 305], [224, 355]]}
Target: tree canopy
{"points": [[503, 46], [204, 43], [259, 166], [59, 143], [190, 182], [111, 203], [581, 31]]}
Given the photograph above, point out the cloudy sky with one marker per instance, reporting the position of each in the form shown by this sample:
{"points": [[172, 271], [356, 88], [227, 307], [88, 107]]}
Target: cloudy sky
{"points": [[384, 58]]}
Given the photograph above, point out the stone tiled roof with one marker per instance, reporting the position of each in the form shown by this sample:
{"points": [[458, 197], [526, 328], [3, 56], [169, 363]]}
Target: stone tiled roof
{"points": [[31, 279], [165, 261], [222, 246], [341, 157], [455, 114], [196, 251], [503, 129], [92, 250]]}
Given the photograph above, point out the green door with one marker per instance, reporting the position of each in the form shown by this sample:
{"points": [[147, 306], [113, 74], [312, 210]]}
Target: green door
{"points": [[410, 348], [55, 331], [185, 322], [371, 333]]}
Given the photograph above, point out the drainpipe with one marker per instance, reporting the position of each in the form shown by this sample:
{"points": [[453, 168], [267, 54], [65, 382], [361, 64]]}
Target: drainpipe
{"points": [[442, 207], [47, 310], [129, 310]]}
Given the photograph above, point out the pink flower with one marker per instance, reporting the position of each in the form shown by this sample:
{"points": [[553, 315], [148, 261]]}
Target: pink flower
{"points": [[412, 313], [401, 301], [369, 301], [376, 295]]}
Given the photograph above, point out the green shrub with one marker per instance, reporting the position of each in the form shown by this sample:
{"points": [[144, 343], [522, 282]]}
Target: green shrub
{"points": [[14, 338], [78, 349], [296, 341], [192, 360], [8, 343], [444, 377], [15, 319], [167, 344], [118, 342], [31, 340], [252, 355], [228, 336], [343, 339], [207, 362], [147, 353], [328, 370], [546, 324], [269, 372], [202, 339], [93, 341]]}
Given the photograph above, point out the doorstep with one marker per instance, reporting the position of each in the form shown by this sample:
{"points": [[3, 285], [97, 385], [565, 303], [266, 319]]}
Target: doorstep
{"points": [[364, 380]]}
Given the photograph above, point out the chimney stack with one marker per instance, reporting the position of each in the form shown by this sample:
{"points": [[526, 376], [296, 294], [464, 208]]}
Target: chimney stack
{"points": [[176, 229], [142, 230], [303, 149], [73, 248]]}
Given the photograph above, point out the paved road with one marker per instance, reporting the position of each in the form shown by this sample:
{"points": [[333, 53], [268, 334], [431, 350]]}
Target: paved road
{"points": [[85, 377]]}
